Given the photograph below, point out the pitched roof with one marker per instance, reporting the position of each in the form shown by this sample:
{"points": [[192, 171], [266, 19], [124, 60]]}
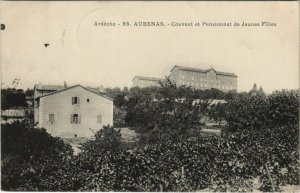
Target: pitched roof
{"points": [[100, 94], [49, 87], [188, 68], [226, 73], [148, 78], [202, 70], [97, 89], [59, 87]]}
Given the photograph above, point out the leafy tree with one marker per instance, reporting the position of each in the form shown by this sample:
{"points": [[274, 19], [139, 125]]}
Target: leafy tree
{"points": [[12, 97], [26, 152], [29, 92], [284, 107], [217, 112], [106, 139], [247, 112], [261, 143], [231, 95]]}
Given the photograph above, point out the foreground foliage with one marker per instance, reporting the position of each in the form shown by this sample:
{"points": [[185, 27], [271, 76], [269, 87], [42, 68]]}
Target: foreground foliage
{"points": [[26, 154], [258, 149]]}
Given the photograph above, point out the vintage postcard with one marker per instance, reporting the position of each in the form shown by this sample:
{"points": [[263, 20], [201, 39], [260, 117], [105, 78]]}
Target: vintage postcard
{"points": [[150, 96]]}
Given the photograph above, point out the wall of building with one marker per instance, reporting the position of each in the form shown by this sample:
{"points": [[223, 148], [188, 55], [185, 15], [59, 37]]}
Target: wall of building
{"points": [[60, 104], [38, 93], [204, 80]]}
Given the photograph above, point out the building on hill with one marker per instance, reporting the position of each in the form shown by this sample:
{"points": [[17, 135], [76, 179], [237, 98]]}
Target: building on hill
{"points": [[69, 112], [203, 79], [142, 81]]}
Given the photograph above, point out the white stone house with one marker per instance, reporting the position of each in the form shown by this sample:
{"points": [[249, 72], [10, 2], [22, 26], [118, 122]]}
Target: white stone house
{"points": [[69, 112]]}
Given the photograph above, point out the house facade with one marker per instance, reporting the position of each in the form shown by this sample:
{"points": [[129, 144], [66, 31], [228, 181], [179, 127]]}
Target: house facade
{"points": [[143, 81], [203, 79], [69, 112]]}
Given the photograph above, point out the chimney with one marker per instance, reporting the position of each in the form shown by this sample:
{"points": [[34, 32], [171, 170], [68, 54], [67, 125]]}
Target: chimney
{"points": [[65, 84]]}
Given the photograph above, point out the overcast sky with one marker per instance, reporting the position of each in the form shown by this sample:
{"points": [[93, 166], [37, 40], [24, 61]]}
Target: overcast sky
{"points": [[80, 53]]}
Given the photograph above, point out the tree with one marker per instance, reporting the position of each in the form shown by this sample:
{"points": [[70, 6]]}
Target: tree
{"points": [[217, 112], [173, 117], [11, 97], [27, 156], [106, 139], [284, 107], [29, 92], [247, 112]]}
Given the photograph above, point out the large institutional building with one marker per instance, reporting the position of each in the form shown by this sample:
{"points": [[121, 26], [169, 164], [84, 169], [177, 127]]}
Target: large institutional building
{"points": [[203, 79], [194, 77], [69, 112], [142, 81]]}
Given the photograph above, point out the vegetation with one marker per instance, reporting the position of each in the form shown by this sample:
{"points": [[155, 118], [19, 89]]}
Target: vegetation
{"points": [[27, 155], [258, 149], [12, 97]]}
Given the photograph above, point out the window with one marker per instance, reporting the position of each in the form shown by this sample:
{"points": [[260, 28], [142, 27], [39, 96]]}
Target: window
{"points": [[51, 118], [88, 100], [75, 100], [99, 118], [75, 118]]}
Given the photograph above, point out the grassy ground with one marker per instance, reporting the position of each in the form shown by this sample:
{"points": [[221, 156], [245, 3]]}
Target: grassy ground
{"points": [[128, 135], [75, 143]]}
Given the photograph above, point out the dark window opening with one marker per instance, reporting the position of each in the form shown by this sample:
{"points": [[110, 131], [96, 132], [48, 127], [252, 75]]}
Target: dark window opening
{"points": [[75, 118], [75, 135], [88, 100], [75, 100]]}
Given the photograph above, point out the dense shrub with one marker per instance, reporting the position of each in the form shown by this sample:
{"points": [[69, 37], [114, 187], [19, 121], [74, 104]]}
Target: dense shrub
{"points": [[230, 163], [256, 111], [27, 151], [217, 112], [11, 97], [260, 146], [106, 139], [247, 112], [284, 107]]}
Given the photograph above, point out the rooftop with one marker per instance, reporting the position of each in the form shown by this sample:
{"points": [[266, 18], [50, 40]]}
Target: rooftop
{"points": [[96, 91], [148, 78], [49, 87], [59, 87], [202, 70]]}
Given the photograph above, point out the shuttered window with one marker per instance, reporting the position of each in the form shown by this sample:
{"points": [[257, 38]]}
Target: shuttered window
{"points": [[75, 100], [99, 118], [51, 118], [75, 118]]}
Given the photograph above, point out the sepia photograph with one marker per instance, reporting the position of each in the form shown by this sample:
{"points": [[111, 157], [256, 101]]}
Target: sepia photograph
{"points": [[149, 96]]}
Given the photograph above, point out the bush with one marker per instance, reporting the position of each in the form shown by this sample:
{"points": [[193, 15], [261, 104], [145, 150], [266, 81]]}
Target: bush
{"points": [[260, 144], [12, 97], [284, 107], [25, 152], [247, 112], [106, 139]]}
